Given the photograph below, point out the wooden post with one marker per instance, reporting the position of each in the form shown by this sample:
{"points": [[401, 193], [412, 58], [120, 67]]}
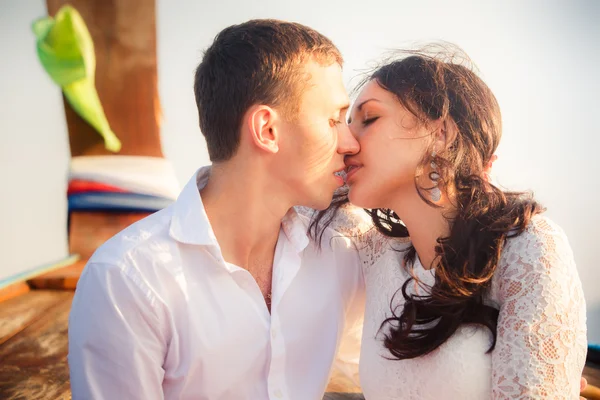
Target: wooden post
{"points": [[124, 36]]}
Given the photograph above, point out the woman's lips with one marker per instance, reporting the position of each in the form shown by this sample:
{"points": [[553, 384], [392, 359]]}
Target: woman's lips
{"points": [[351, 171]]}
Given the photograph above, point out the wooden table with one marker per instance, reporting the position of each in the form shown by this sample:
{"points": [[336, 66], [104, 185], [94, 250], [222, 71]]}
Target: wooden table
{"points": [[33, 349], [33, 346]]}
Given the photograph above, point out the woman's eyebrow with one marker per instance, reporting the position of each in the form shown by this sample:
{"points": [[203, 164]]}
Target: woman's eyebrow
{"points": [[359, 108]]}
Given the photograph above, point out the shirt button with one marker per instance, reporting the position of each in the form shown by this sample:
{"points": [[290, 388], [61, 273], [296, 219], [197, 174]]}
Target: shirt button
{"points": [[278, 394], [274, 334]]}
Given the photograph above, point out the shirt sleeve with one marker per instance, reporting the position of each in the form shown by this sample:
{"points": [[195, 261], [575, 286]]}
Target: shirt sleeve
{"points": [[541, 345], [117, 342]]}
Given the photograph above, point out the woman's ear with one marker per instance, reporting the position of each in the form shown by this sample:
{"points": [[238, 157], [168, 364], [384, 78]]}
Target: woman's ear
{"points": [[263, 128], [451, 132], [446, 132]]}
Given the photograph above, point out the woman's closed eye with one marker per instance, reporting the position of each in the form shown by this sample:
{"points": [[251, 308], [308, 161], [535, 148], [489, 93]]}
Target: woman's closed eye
{"points": [[369, 121]]}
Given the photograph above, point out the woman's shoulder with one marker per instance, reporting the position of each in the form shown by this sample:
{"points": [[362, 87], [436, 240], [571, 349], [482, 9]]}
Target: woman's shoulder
{"points": [[541, 254], [348, 221], [356, 225], [541, 238]]}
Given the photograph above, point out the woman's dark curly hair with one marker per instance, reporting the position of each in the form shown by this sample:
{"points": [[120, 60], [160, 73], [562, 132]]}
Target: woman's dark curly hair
{"points": [[439, 88]]}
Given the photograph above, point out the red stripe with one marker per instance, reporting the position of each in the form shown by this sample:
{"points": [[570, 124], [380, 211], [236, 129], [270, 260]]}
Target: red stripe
{"points": [[81, 186]]}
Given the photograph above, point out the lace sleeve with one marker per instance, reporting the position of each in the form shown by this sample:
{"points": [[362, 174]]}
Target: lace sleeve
{"points": [[541, 347]]}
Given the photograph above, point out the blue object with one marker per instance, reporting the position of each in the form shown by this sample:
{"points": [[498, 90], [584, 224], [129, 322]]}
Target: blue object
{"points": [[111, 201]]}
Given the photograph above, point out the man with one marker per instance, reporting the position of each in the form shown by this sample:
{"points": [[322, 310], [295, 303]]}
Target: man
{"points": [[222, 295]]}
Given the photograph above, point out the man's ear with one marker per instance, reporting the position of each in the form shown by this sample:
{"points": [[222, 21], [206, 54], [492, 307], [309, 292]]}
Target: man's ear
{"points": [[263, 128]]}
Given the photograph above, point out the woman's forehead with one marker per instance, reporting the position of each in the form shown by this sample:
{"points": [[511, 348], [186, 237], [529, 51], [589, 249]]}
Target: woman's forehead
{"points": [[371, 92]]}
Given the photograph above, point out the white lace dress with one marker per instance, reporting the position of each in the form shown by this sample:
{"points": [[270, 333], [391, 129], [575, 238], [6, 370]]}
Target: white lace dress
{"points": [[541, 344]]}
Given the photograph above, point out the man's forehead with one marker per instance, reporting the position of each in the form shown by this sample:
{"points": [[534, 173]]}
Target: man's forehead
{"points": [[326, 84]]}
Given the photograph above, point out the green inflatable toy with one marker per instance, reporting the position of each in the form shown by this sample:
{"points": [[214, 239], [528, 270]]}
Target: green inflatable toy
{"points": [[66, 51]]}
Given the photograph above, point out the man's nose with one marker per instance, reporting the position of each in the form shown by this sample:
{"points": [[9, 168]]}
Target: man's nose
{"points": [[347, 143]]}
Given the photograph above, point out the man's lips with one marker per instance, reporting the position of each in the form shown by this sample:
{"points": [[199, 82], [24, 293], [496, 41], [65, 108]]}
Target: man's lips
{"points": [[339, 174]]}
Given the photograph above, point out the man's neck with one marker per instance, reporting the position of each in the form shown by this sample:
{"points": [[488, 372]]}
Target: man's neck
{"points": [[245, 210]]}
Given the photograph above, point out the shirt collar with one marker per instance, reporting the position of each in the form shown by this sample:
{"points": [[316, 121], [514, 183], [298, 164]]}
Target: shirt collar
{"points": [[190, 223], [295, 230]]}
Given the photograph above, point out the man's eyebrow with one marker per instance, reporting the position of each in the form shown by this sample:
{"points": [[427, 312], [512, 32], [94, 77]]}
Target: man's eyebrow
{"points": [[344, 107]]}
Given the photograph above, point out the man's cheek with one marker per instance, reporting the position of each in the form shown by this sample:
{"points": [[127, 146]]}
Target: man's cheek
{"points": [[320, 152]]}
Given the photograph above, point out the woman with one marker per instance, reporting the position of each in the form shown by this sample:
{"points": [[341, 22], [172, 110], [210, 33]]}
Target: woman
{"points": [[471, 292]]}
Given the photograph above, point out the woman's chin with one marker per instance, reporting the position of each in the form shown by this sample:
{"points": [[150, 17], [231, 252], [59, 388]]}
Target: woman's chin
{"points": [[356, 198], [365, 197]]}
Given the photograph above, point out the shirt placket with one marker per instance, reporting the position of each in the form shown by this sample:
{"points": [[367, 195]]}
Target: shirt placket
{"points": [[284, 272], [276, 379]]}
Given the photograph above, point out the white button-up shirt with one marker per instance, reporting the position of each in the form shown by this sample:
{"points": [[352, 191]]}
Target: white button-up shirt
{"points": [[158, 313]]}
